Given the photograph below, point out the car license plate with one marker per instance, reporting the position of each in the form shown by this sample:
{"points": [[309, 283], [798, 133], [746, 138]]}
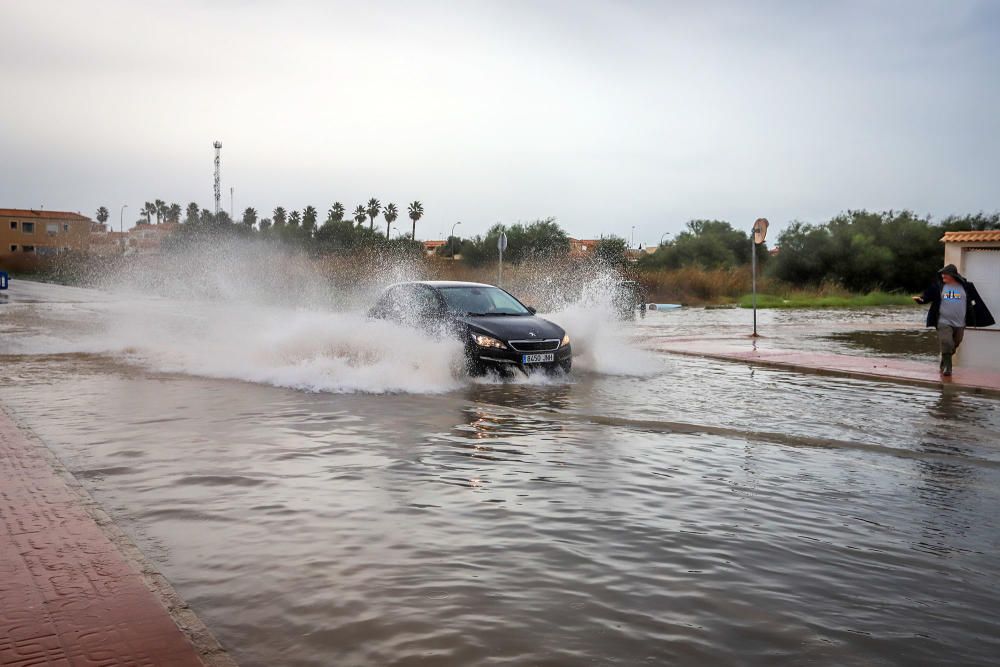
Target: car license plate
{"points": [[537, 358]]}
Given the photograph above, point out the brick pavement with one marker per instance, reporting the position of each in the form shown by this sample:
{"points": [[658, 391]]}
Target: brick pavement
{"points": [[69, 594]]}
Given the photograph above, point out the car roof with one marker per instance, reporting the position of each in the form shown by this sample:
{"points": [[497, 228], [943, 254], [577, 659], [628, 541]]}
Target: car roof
{"points": [[441, 283]]}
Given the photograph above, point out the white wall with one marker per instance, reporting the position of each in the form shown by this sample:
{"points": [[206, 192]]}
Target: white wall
{"points": [[981, 348]]}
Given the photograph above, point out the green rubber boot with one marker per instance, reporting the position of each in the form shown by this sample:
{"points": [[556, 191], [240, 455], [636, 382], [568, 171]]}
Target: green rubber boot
{"points": [[946, 364]]}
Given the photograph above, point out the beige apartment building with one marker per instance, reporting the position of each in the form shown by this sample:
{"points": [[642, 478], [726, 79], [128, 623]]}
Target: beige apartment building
{"points": [[29, 232]]}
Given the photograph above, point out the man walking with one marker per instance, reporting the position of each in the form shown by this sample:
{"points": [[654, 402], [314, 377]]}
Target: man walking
{"points": [[955, 304]]}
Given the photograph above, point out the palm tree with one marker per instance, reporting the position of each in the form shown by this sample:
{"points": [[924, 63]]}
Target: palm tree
{"points": [[161, 210], [102, 214], [293, 219], [416, 212], [374, 206], [174, 213], [359, 214], [390, 213], [148, 210], [250, 217], [336, 212], [279, 217], [309, 218], [192, 213]]}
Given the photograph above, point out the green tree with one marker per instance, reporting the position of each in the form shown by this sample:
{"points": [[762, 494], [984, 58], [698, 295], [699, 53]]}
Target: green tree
{"points": [[416, 210], [971, 223], [539, 240], [294, 218], [249, 217], [148, 210], [336, 212], [103, 215], [278, 215], [390, 214], [309, 219], [265, 225], [709, 244], [862, 251], [372, 209], [161, 210], [174, 213], [192, 214], [360, 215]]}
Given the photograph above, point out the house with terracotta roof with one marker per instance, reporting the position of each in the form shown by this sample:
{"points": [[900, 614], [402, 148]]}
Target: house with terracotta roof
{"points": [[430, 247], [582, 247], [26, 232], [977, 256], [148, 239]]}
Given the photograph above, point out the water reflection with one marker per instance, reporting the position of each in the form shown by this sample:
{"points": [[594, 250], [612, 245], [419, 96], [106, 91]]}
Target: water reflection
{"points": [[908, 343]]}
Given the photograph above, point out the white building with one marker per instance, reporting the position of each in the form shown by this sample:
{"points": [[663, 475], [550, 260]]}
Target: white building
{"points": [[977, 256]]}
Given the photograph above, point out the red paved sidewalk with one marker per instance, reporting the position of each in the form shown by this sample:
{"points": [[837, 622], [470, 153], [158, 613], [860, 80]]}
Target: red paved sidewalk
{"points": [[68, 594], [874, 368]]}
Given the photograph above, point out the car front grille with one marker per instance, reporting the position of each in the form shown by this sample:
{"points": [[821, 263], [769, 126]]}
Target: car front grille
{"points": [[547, 345]]}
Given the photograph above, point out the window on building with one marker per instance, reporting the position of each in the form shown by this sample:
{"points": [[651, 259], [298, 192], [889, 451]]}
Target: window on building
{"points": [[65, 228], [13, 248], [52, 229], [13, 224], [28, 248], [28, 227], [46, 250]]}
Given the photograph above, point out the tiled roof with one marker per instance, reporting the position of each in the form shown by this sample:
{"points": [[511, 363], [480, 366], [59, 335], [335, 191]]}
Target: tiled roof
{"points": [[974, 237], [41, 215]]}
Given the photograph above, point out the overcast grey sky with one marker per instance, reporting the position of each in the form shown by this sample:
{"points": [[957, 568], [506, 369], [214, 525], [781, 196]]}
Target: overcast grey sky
{"points": [[603, 114]]}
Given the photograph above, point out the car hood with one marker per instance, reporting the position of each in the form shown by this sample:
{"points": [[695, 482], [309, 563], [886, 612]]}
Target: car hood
{"points": [[517, 327]]}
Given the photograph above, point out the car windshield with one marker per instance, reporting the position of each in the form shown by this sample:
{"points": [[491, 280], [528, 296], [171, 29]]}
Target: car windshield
{"points": [[481, 300]]}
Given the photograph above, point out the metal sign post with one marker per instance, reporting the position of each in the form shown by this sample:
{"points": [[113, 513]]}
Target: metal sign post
{"points": [[501, 246], [759, 232]]}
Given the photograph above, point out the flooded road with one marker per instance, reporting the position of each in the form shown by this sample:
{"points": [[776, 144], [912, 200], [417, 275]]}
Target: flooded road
{"points": [[324, 493]]}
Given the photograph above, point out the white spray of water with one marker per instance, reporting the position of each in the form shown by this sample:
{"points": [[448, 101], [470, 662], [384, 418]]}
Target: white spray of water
{"points": [[602, 341], [245, 314]]}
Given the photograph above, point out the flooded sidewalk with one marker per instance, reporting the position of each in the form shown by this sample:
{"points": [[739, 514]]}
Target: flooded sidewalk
{"points": [[73, 589], [763, 352]]}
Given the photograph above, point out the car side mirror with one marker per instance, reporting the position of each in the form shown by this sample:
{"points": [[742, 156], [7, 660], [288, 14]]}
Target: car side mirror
{"points": [[531, 309]]}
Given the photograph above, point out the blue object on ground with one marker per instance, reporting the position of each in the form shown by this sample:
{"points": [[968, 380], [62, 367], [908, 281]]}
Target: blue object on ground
{"points": [[4, 280], [663, 306]]}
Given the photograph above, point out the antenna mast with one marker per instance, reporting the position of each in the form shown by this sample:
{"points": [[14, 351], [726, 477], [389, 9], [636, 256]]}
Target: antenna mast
{"points": [[218, 176]]}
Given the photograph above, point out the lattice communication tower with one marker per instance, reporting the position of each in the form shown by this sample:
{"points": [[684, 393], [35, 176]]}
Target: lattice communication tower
{"points": [[218, 175]]}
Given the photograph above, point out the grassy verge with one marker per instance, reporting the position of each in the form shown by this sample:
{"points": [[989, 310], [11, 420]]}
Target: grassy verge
{"points": [[826, 301]]}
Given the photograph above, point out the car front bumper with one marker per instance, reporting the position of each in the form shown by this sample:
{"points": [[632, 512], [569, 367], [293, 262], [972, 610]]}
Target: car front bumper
{"points": [[497, 358]]}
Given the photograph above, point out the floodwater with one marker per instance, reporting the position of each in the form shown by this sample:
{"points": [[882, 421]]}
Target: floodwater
{"points": [[323, 491]]}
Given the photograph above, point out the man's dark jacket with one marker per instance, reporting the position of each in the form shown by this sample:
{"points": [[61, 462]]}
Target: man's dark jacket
{"points": [[976, 312]]}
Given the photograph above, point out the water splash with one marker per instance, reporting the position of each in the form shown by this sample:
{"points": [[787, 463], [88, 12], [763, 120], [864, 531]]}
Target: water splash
{"points": [[246, 311]]}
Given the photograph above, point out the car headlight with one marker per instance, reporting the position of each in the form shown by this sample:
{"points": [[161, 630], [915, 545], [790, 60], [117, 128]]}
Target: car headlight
{"points": [[483, 340], [565, 341]]}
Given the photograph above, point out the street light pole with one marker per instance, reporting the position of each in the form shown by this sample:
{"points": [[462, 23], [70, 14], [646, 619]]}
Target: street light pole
{"points": [[450, 236], [662, 235]]}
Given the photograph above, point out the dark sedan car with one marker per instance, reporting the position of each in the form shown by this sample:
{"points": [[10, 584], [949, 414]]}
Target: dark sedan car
{"points": [[498, 331]]}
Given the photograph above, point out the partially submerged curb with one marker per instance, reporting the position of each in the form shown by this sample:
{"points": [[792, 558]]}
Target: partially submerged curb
{"points": [[862, 368], [206, 648]]}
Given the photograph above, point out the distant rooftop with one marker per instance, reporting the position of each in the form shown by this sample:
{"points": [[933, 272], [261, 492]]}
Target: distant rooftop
{"points": [[41, 215]]}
